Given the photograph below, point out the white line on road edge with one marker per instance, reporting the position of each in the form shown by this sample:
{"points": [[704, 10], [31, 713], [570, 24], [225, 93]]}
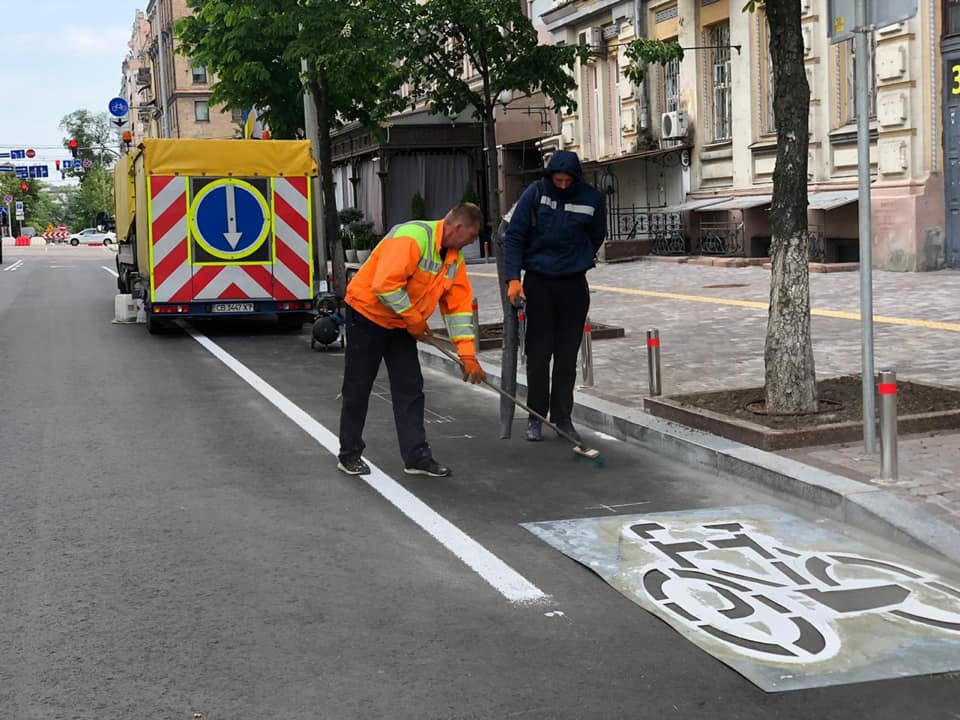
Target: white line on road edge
{"points": [[507, 581], [110, 270], [17, 264]]}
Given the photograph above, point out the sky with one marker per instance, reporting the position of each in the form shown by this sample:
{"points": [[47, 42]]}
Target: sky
{"points": [[58, 56]]}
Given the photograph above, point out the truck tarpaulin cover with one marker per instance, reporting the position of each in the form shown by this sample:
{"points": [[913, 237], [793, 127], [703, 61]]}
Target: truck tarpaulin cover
{"points": [[225, 158]]}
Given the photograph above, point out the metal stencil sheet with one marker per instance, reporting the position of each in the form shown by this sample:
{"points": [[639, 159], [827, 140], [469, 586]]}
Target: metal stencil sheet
{"points": [[786, 603]]}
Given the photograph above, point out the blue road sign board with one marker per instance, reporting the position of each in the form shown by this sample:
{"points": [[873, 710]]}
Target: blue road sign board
{"points": [[22, 172], [38, 171], [230, 218], [118, 107], [7, 168], [5, 154], [78, 163], [18, 154]]}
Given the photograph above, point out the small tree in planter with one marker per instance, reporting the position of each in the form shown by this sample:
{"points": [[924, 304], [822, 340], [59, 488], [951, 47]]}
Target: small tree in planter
{"points": [[418, 207], [364, 239], [347, 217]]}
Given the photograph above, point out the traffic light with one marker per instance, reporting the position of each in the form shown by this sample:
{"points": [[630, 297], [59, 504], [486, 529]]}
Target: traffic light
{"points": [[74, 146], [24, 186], [57, 163]]}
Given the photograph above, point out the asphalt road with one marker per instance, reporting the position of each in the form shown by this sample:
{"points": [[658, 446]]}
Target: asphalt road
{"points": [[173, 543]]}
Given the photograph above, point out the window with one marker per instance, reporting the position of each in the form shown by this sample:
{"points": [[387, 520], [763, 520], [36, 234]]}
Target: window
{"points": [[768, 123], [951, 17], [199, 74], [236, 115], [719, 94], [201, 110], [670, 99], [847, 104]]}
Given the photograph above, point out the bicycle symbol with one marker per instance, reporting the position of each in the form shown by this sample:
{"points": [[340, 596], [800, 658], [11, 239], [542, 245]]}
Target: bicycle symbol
{"points": [[770, 602]]}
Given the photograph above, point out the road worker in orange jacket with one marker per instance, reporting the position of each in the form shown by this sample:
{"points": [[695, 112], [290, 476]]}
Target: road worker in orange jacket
{"points": [[416, 267]]}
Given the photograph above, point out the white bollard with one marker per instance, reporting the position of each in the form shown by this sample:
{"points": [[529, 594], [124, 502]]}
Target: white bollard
{"points": [[124, 308]]}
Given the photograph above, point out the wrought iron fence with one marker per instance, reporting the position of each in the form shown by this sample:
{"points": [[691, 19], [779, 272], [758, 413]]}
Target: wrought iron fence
{"points": [[721, 238], [664, 231]]}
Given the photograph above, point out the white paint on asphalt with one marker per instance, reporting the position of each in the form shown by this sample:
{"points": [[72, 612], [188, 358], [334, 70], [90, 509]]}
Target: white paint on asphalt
{"points": [[507, 581], [604, 436], [110, 270], [17, 264]]}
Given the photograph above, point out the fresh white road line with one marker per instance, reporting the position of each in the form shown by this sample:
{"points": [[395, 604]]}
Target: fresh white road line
{"points": [[507, 581], [17, 264], [110, 270]]}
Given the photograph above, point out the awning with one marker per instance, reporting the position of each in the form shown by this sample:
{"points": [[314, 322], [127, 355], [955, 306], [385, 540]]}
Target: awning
{"points": [[739, 203], [831, 199], [693, 204]]}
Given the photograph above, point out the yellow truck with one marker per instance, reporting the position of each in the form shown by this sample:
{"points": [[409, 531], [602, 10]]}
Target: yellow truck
{"points": [[211, 228]]}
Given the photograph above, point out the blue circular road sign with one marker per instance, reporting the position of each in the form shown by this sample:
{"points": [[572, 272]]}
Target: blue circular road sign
{"points": [[230, 218], [118, 107]]}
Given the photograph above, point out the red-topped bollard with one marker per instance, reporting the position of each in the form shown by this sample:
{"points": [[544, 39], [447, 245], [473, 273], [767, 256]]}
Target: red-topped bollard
{"points": [[586, 354], [653, 360], [887, 389]]}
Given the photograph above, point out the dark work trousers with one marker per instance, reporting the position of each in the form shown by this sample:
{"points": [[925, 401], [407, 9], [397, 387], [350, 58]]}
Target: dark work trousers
{"points": [[556, 311], [367, 344]]}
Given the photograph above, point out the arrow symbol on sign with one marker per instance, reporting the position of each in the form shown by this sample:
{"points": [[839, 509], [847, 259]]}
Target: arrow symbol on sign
{"points": [[232, 236]]}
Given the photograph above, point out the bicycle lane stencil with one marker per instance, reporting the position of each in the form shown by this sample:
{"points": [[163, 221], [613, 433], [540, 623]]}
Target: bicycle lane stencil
{"points": [[786, 603]]}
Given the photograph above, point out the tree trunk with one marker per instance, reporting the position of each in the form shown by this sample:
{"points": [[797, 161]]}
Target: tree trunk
{"points": [[790, 376], [320, 92]]}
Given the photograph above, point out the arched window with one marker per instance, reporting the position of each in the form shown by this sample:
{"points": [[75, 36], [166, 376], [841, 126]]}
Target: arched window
{"points": [[951, 17]]}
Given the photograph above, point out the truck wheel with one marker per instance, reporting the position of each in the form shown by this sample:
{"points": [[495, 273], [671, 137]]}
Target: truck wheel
{"points": [[155, 325]]}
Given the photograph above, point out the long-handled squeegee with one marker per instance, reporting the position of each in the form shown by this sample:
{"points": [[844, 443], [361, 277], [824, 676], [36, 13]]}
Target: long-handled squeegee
{"points": [[579, 448]]}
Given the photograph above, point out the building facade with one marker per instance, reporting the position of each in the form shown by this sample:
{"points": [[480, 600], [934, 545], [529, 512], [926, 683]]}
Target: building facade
{"points": [[687, 157], [171, 94]]}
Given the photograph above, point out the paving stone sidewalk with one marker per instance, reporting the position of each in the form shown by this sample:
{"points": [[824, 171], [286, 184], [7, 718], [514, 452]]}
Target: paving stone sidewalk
{"points": [[709, 345]]}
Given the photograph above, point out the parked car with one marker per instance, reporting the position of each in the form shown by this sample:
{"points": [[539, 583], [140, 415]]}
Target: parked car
{"points": [[92, 236]]}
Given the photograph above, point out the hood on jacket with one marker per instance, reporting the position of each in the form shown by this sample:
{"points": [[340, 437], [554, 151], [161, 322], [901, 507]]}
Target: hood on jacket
{"points": [[564, 161]]}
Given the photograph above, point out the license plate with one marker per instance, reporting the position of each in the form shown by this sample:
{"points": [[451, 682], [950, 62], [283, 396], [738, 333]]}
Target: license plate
{"points": [[232, 307]]}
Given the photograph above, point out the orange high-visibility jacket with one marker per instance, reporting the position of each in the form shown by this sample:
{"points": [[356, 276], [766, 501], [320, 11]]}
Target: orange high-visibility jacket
{"points": [[407, 275]]}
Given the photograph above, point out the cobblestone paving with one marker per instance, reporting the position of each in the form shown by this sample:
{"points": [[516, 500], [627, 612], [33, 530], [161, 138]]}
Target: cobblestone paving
{"points": [[710, 346]]}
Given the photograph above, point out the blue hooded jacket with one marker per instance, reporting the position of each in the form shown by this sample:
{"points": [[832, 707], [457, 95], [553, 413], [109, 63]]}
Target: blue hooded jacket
{"points": [[571, 224]]}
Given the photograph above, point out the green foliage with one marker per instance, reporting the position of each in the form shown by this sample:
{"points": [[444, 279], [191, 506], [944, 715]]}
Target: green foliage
{"points": [[469, 196], [418, 207], [645, 51], [255, 47], [501, 44], [361, 235]]}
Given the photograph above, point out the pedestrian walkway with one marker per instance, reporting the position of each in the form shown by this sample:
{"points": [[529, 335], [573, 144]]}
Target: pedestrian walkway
{"points": [[712, 324]]}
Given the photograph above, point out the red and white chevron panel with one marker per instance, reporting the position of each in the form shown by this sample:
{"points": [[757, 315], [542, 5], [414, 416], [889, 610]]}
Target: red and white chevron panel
{"points": [[232, 282], [291, 269], [171, 277]]}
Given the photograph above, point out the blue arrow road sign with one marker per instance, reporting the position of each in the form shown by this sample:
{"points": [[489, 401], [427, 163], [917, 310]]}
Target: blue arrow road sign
{"points": [[230, 218], [118, 107]]}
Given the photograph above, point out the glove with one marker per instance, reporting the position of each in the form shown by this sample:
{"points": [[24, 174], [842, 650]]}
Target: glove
{"points": [[514, 291], [419, 329], [472, 372]]}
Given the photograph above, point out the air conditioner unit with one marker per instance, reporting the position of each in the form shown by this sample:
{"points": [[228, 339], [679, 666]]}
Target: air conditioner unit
{"points": [[593, 37], [673, 125], [569, 133]]}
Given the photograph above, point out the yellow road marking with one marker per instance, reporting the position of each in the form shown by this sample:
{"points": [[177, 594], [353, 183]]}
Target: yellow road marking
{"points": [[753, 304]]}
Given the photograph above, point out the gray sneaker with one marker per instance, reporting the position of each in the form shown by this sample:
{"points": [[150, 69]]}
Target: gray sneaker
{"points": [[534, 430]]}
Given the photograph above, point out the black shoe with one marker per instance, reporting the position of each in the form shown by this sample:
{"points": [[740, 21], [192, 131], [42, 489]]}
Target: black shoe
{"points": [[353, 467], [427, 467], [570, 430], [534, 430]]}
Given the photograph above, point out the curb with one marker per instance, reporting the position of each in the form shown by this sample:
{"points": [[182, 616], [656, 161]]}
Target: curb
{"points": [[857, 503]]}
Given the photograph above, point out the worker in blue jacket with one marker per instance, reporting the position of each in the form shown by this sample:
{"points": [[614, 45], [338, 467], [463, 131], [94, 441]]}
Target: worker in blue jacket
{"points": [[557, 227]]}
